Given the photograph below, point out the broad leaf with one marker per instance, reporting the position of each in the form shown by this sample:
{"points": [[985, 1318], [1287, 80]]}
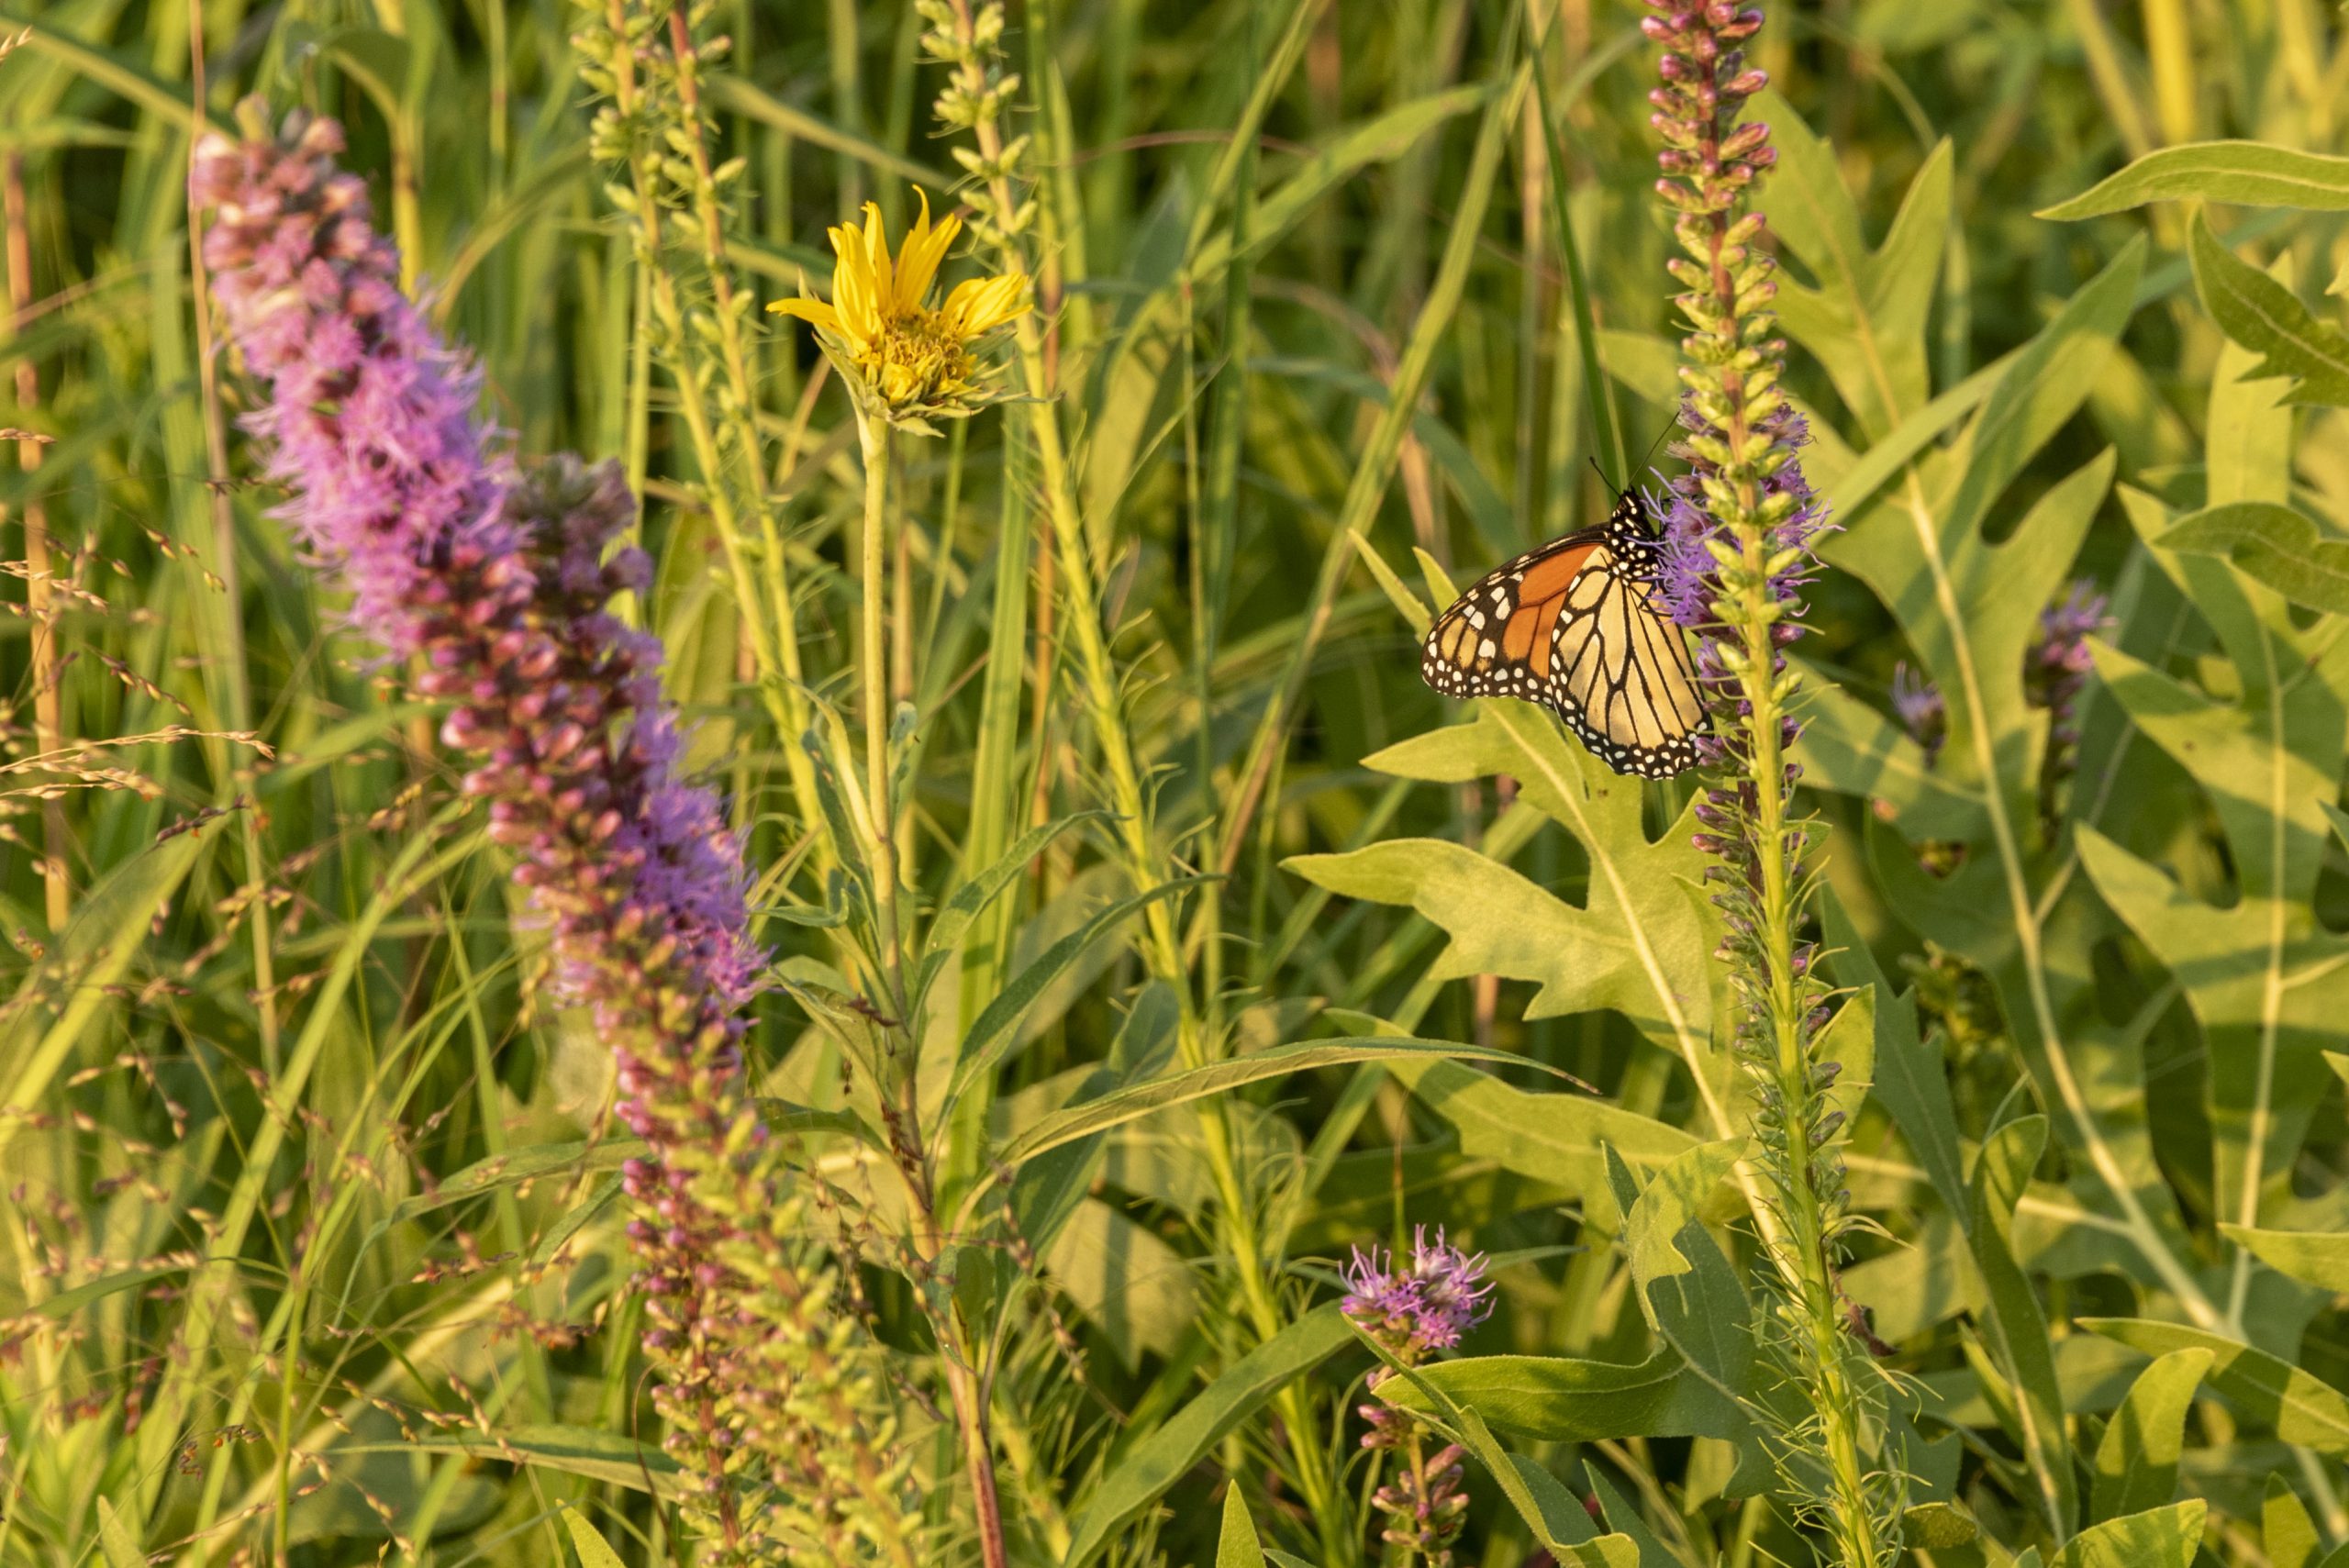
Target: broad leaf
{"points": [[2267, 983], [1865, 321], [1559, 1140], [2298, 1406], [1640, 944], [2273, 544], [2159, 1538]]}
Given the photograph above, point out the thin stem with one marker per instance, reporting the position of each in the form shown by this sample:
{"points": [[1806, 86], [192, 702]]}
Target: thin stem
{"points": [[224, 559], [48, 726], [875, 433]]}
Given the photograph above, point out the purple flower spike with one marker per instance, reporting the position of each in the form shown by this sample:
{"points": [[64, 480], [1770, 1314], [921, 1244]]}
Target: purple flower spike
{"points": [[497, 585], [1423, 1307]]}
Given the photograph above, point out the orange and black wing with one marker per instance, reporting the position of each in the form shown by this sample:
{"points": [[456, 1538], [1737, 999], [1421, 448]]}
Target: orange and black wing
{"points": [[1575, 626]]}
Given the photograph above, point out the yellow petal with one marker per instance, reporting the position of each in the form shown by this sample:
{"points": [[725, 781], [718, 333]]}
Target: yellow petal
{"points": [[854, 297], [925, 248], [815, 312], [877, 259], [982, 304]]}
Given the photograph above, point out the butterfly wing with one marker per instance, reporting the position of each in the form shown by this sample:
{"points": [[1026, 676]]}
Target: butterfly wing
{"points": [[1575, 626]]}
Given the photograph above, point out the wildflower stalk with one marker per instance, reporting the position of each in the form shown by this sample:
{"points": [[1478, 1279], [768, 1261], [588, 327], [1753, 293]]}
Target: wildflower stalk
{"points": [[1737, 538], [964, 37], [1411, 1311], [906, 362], [496, 587]]}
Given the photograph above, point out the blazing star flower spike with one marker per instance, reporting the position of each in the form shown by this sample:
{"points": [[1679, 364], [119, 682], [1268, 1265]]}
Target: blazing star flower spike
{"points": [[496, 585], [1426, 1306], [906, 360]]}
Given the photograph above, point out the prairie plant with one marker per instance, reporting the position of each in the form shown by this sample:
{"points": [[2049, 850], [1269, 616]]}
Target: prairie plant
{"points": [[494, 585], [1737, 534], [1411, 1310]]}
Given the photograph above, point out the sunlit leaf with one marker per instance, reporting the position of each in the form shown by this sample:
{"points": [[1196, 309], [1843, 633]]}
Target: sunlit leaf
{"points": [[2298, 1406], [2263, 315]]}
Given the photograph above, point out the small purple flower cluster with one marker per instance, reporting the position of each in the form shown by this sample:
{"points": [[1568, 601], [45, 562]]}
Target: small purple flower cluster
{"points": [[499, 585], [1413, 1311], [2057, 666], [1427, 1306]]}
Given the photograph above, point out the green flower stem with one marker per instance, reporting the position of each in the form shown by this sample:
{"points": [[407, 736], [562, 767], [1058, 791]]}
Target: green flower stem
{"points": [[873, 432]]}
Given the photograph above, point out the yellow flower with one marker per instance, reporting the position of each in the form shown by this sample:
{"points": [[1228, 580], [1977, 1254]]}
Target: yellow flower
{"points": [[907, 359]]}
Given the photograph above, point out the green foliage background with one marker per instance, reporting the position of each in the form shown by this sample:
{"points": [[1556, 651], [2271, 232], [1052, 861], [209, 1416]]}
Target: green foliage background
{"points": [[313, 1251]]}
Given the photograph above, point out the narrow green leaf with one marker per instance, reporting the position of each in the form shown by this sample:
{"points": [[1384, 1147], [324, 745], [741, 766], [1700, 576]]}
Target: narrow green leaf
{"points": [[1910, 1079], [2240, 173], [972, 899], [1166, 1455], [2263, 315], [2014, 1323], [733, 91], [1560, 1398], [992, 1035], [83, 964], [2136, 1464], [115, 1539], [1122, 1105], [2298, 1407], [1938, 1527], [1623, 1516], [2285, 1531], [117, 72], [66, 1303], [612, 1458]]}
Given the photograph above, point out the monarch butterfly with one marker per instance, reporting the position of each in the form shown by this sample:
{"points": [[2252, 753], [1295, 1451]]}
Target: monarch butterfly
{"points": [[1574, 624]]}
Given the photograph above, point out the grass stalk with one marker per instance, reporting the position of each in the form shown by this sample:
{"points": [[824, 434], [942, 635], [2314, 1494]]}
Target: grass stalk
{"points": [[49, 730]]}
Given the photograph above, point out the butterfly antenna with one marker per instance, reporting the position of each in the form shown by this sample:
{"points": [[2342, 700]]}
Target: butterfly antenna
{"points": [[1660, 435], [1645, 463]]}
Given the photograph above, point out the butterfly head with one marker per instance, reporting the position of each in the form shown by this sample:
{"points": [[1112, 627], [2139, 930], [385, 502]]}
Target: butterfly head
{"points": [[1631, 528]]}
